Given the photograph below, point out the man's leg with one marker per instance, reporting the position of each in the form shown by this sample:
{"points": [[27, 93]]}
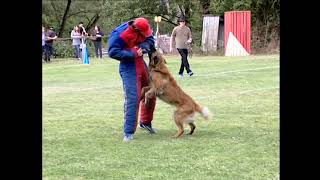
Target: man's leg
{"points": [[146, 113], [185, 61], [131, 103], [182, 64], [50, 52], [100, 49], [96, 48], [46, 53]]}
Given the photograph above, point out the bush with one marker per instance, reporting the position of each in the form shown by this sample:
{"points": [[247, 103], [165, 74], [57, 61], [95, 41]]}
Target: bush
{"points": [[64, 49]]}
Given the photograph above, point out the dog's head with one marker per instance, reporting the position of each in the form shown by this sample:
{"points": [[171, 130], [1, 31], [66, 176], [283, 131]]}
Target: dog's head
{"points": [[155, 58]]}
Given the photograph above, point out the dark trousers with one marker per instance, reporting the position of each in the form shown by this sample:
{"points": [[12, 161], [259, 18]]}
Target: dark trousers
{"points": [[48, 52], [98, 48], [184, 61]]}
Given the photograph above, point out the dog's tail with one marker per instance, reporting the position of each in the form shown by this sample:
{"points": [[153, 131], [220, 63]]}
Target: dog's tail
{"points": [[205, 112]]}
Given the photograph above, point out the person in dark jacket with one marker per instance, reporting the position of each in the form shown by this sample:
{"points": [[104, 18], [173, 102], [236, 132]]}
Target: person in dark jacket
{"points": [[97, 41], [50, 37]]}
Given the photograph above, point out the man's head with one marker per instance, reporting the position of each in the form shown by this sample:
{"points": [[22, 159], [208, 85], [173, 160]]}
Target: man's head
{"points": [[81, 24], [182, 21], [142, 26]]}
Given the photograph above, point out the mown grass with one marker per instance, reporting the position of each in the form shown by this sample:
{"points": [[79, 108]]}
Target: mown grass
{"points": [[83, 120]]}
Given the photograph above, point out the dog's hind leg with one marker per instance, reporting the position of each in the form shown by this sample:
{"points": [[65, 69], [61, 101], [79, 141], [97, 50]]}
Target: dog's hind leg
{"points": [[178, 118], [192, 127]]}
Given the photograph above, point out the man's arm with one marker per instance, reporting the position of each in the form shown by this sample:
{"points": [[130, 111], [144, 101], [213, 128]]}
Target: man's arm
{"points": [[189, 36], [84, 31], [54, 36], [101, 33], [117, 49], [147, 44], [172, 39]]}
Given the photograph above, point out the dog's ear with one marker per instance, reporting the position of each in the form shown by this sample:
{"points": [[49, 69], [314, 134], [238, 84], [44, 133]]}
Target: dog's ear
{"points": [[156, 60]]}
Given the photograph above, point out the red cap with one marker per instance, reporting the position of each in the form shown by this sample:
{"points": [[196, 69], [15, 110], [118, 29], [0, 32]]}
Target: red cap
{"points": [[143, 25]]}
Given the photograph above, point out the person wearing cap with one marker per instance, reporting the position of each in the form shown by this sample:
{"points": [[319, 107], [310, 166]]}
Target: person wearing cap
{"points": [[181, 37], [50, 36], [127, 44]]}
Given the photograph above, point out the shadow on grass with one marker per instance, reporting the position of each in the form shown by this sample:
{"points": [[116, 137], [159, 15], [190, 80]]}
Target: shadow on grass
{"points": [[199, 134]]}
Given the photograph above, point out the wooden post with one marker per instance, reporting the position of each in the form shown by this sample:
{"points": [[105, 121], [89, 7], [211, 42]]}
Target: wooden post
{"points": [[210, 34]]}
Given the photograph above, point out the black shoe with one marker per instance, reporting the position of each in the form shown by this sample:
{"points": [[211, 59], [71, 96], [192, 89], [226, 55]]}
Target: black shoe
{"points": [[190, 73], [148, 127]]}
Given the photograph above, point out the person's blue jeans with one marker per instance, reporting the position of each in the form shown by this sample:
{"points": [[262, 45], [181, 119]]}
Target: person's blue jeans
{"points": [[77, 52]]}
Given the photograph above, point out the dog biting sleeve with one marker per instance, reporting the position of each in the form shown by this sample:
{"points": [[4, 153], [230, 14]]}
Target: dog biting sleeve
{"points": [[147, 44]]}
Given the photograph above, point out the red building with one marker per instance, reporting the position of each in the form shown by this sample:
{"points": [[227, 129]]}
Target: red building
{"points": [[237, 33]]}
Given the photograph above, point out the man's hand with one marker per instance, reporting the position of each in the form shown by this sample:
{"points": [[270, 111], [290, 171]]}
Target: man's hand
{"points": [[188, 41], [139, 52]]}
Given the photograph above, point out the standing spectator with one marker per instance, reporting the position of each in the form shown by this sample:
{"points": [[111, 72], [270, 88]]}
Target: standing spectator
{"points": [[50, 36], [97, 41], [43, 41], [84, 34], [76, 41], [127, 43], [82, 29], [181, 37]]}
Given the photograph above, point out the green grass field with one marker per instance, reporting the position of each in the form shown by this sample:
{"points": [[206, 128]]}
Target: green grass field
{"points": [[83, 120]]}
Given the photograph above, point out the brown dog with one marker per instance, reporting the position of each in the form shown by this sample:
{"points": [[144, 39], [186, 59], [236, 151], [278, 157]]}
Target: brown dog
{"points": [[164, 86]]}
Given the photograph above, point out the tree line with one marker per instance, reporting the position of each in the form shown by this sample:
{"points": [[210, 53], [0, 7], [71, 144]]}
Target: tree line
{"points": [[63, 15]]}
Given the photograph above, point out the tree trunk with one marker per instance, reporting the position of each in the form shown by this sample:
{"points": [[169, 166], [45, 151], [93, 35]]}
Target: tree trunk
{"points": [[205, 4], [64, 19], [93, 22]]}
